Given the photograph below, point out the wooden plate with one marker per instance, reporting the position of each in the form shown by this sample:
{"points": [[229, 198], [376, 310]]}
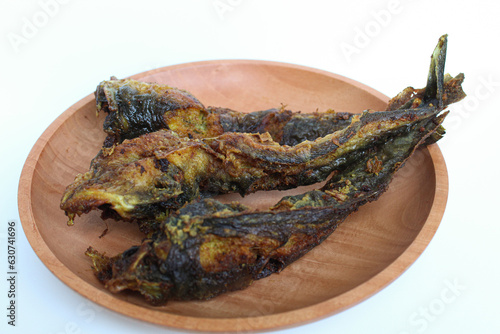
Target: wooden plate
{"points": [[367, 252]]}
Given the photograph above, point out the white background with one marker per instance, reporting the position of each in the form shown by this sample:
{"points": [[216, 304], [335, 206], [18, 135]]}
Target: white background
{"points": [[45, 70]]}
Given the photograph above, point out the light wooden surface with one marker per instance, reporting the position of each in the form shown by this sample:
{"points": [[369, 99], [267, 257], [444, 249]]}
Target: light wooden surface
{"points": [[368, 251]]}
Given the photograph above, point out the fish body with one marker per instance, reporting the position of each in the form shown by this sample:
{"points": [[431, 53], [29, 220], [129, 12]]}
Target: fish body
{"points": [[166, 165], [161, 171], [135, 108], [207, 248]]}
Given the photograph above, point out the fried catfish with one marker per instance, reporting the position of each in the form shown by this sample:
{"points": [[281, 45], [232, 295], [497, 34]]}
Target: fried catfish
{"points": [[208, 248], [135, 108], [161, 171]]}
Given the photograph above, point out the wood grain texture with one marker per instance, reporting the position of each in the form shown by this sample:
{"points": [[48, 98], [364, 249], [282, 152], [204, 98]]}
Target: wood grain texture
{"points": [[367, 252]]}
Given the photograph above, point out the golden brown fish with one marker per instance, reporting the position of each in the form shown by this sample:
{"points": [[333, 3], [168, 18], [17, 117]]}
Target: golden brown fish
{"points": [[161, 171], [207, 248], [135, 108]]}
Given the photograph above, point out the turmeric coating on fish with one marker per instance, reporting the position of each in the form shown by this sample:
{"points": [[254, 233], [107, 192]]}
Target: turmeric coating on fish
{"points": [[208, 248], [166, 155], [160, 171]]}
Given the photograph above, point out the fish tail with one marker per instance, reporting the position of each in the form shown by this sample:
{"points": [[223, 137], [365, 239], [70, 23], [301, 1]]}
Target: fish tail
{"points": [[435, 80]]}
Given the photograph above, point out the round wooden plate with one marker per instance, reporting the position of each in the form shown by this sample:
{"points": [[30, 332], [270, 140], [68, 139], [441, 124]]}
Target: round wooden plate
{"points": [[367, 252]]}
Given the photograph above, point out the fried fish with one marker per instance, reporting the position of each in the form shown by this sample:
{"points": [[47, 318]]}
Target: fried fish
{"points": [[207, 248], [161, 171], [135, 108]]}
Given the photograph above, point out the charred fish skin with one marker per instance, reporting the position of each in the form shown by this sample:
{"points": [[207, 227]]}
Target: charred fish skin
{"points": [[135, 108], [283, 125], [160, 171], [209, 248], [201, 262]]}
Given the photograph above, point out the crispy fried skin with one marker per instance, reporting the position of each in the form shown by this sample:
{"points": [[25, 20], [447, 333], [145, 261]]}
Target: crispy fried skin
{"points": [[161, 171], [284, 126], [135, 108], [209, 248]]}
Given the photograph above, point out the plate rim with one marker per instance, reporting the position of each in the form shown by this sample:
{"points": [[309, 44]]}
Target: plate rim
{"points": [[281, 320]]}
